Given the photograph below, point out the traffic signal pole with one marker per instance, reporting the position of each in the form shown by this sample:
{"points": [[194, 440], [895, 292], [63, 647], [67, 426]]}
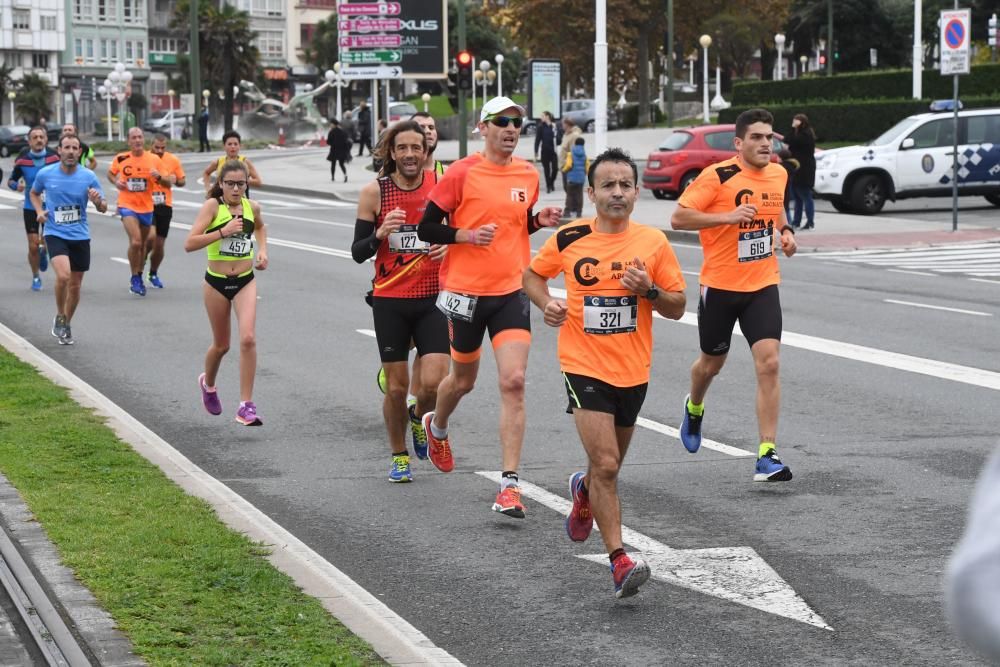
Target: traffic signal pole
{"points": [[463, 113]]}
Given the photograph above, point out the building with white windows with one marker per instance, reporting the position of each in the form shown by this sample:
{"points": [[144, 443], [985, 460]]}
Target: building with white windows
{"points": [[99, 34], [165, 44], [32, 37], [303, 15], [268, 19]]}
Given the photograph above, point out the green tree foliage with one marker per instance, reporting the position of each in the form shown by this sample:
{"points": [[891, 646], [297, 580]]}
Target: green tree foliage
{"points": [[225, 44], [485, 37], [6, 84], [33, 99], [323, 50]]}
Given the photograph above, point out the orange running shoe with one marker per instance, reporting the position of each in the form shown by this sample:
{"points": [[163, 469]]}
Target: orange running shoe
{"points": [[508, 502], [439, 449]]}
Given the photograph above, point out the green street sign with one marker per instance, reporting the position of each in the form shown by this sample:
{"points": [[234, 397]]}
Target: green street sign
{"points": [[370, 57]]}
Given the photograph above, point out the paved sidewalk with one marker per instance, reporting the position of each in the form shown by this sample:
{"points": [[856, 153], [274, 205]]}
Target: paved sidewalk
{"points": [[305, 171]]}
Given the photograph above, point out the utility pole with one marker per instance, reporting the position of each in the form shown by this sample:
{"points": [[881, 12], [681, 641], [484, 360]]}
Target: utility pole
{"points": [[195, 56], [463, 113], [829, 37], [670, 63]]}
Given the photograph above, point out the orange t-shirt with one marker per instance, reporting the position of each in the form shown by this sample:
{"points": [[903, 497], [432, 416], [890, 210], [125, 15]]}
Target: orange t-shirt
{"points": [[739, 258], [138, 194], [171, 165], [608, 333], [476, 192]]}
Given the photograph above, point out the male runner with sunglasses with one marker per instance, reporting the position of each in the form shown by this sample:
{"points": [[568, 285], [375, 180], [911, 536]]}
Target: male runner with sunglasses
{"points": [[487, 198]]}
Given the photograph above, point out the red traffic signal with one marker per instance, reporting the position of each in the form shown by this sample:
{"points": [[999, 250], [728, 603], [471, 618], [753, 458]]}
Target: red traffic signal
{"points": [[464, 61]]}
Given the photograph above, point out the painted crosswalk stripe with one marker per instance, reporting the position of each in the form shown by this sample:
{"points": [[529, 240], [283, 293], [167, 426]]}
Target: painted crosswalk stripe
{"points": [[972, 259]]}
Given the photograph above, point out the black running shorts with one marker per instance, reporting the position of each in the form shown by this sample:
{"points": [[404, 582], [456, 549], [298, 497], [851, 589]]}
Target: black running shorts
{"points": [[30, 221], [506, 317], [77, 251], [759, 315], [400, 320], [162, 215], [587, 393]]}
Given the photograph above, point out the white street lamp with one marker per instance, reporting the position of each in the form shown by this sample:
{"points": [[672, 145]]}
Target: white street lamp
{"points": [[485, 67], [705, 41], [803, 64], [340, 83], [10, 96], [426, 97], [779, 42], [718, 102], [173, 120], [499, 59]]}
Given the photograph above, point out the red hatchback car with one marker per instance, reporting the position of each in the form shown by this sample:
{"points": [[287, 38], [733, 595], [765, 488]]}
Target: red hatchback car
{"points": [[682, 155]]}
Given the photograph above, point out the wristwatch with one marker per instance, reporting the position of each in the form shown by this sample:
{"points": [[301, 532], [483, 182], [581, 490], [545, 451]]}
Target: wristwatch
{"points": [[653, 293]]}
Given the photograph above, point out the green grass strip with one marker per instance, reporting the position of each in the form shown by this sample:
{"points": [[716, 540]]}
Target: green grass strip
{"points": [[186, 589]]}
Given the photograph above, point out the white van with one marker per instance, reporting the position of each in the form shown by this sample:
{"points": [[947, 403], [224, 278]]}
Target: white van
{"points": [[914, 159]]}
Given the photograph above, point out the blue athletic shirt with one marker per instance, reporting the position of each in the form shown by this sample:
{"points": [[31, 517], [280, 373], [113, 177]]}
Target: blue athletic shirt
{"points": [[66, 200], [26, 166]]}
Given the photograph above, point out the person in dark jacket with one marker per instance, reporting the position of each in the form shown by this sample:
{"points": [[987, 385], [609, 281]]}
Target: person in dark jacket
{"points": [[364, 124], [576, 167], [545, 140], [802, 144], [791, 165], [340, 149], [203, 144]]}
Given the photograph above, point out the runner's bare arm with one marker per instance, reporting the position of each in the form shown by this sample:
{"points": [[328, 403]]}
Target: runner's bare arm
{"points": [[197, 238], [547, 217], [206, 176], [537, 288], [260, 234], [36, 202], [253, 176], [693, 219]]}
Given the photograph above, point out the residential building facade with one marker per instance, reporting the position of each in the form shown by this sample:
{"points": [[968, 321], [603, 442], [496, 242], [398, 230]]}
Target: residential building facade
{"points": [[268, 18], [303, 15], [165, 44], [32, 38]]}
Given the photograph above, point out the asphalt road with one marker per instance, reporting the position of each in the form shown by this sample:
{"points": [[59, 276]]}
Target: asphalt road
{"points": [[884, 448]]}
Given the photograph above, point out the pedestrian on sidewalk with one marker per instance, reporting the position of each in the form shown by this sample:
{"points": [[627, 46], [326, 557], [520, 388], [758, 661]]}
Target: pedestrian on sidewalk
{"points": [[364, 128], [68, 187], [791, 165], [226, 227], [570, 132], [350, 128], [545, 148], [802, 144], [340, 149], [606, 341], [576, 168], [203, 144], [739, 279]]}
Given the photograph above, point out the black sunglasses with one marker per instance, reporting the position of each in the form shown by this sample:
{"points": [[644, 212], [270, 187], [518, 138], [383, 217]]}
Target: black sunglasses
{"points": [[504, 121]]}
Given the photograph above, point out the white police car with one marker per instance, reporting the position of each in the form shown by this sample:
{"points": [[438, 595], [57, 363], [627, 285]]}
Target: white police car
{"points": [[914, 159]]}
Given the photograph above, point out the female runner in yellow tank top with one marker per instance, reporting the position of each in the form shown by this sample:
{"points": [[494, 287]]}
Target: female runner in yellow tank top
{"points": [[227, 226]]}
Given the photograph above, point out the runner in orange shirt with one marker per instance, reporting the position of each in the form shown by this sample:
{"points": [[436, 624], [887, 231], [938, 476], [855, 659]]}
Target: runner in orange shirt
{"points": [[737, 206], [488, 199], [163, 206], [617, 272], [135, 173]]}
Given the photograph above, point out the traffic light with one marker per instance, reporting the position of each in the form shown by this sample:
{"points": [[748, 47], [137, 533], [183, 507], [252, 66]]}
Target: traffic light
{"points": [[453, 87], [822, 60], [464, 61], [836, 51]]}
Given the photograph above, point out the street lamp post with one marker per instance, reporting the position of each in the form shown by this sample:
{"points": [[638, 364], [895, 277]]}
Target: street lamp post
{"points": [[803, 64], [705, 41], [173, 118], [779, 42], [332, 74], [10, 96], [499, 59], [486, 69], [426, 97]]}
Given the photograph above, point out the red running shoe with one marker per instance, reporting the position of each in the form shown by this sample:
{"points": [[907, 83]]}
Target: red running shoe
{"points": [[439, 449], [580, 521], [508, 502], [628, 575]]}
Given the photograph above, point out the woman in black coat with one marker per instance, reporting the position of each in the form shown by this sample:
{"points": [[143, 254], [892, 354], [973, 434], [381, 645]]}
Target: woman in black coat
{"points": [[802, 144], [340, 149]]}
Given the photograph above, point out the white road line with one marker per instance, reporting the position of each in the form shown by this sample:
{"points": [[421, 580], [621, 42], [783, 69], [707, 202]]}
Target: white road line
{"points": [[927, 305], [655, 426], [912, 273], [691, 273], [984, 280], [120, 260], [736, 574], [392, 637]]}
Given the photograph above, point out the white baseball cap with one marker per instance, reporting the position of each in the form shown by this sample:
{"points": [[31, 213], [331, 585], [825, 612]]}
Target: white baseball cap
{"points": [[496, 105]]}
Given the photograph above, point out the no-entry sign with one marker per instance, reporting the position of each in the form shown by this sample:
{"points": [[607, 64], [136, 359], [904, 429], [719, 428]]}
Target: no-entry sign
{"points": [[955, 25]]}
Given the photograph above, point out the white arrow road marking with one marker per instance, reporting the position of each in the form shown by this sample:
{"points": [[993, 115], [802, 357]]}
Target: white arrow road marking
{"points": [[736, 574], [655, 426]]}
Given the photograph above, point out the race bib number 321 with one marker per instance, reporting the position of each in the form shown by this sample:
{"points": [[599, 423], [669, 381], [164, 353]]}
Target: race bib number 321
{"points": [[609, 314]]}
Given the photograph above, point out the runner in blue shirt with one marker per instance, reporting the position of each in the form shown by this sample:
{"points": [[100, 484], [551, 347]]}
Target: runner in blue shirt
{"points": [[67, 187], [28, 162]]}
